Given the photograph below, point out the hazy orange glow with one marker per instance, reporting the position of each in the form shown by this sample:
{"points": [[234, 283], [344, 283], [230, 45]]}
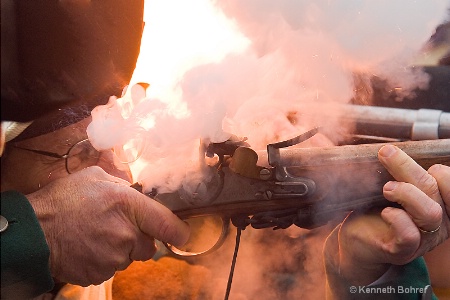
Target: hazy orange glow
{"points": [[179, 35]]}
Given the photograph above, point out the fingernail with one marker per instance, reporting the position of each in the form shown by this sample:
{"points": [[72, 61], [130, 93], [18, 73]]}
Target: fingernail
{"points": [[390, 185], [387, 150], [388, 209]]}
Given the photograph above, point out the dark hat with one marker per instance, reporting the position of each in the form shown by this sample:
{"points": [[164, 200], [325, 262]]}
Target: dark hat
{"points": [[69, 54]]}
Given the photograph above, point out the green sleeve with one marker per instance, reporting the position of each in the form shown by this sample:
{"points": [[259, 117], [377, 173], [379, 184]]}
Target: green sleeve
{"points": [[24, 250], [407, 282], [411, 282]]}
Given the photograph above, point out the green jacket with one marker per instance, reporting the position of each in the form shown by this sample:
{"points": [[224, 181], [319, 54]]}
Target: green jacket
{"points": [[409, 282], [24, 250]]}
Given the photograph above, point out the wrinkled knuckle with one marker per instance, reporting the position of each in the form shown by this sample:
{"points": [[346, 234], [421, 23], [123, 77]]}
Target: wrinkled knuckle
{"points": [[408, 238], [167, 230], [405, 188], [96, 170], [393, 251], [404, 162], [429, 184], [129, 239], [434, 213], [120, 200]]}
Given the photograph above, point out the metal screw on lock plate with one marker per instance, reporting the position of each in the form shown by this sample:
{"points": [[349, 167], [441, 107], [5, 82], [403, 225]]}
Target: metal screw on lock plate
{"points": [[265, 174]]}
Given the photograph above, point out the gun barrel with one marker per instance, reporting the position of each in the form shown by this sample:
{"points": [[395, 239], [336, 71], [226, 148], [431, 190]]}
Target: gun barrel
{"points": [[403, 124], [426, 153]]}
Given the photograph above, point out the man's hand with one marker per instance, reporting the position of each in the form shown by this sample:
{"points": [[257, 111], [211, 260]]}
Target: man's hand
{"points": [[95, 225], [367, 244]]}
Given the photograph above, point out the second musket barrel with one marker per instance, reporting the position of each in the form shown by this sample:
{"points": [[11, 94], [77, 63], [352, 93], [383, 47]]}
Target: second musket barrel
{"points": [[426, 153], [407, 124]]}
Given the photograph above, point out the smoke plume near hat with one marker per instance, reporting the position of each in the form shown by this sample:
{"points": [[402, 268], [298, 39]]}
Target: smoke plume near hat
{"points": [[280, 56]]}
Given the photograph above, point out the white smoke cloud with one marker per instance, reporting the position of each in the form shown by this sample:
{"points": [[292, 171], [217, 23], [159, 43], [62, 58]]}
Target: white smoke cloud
{"points": [[262, 61]]}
